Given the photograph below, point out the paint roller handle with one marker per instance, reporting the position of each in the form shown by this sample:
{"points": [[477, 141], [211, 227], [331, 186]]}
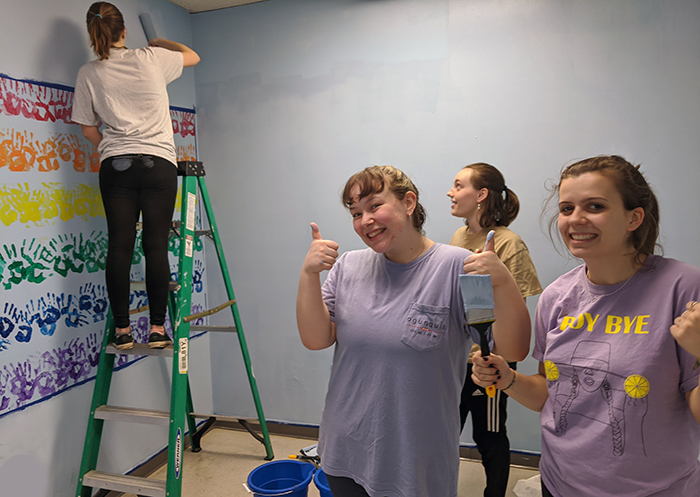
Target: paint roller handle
{"points": [[489, 237]]}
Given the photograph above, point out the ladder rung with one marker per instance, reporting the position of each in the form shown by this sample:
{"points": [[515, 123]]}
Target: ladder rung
{"points": [[124, 483], [176, 226], [141, 285], [197, 328], [231, 419], [133, 415], [209, 312], [141, 349]]}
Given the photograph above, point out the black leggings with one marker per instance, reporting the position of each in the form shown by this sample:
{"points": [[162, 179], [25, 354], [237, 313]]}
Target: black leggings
{"points": [[345, 487], [147, 186], [545, 491], [489, 432]]}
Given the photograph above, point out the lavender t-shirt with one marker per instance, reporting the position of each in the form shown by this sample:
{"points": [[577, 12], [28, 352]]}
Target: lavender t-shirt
{"points": [[616, 422], [391, 419]]}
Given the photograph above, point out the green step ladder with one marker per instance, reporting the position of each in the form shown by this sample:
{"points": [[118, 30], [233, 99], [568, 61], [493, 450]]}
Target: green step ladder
{"points": [[181, 406]]}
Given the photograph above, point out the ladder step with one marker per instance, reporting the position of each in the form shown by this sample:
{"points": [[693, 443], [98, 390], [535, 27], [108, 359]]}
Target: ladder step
{"points": [[133, 415], [141, 285], [197, 328], [124, 483], [141, 349]]}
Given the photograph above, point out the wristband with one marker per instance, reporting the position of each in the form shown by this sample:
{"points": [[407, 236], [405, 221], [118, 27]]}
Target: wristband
{"points": [[511, 383]]}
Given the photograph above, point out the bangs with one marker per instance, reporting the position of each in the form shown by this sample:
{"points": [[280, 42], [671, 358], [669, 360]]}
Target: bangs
{"points": [[369, 182]]}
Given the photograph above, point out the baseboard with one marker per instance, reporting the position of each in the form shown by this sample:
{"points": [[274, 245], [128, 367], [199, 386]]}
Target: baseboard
{"points": [[517, 458]]}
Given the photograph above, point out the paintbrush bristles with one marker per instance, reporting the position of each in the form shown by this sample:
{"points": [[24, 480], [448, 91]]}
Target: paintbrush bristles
{"points": [[477, 316], [477, 295]]}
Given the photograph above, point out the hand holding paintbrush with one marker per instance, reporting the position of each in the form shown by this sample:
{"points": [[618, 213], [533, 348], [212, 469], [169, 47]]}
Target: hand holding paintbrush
{"points": [[477, 295]]}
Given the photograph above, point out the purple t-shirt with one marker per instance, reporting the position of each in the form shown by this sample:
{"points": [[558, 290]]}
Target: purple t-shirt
{"points": [[617, 422], [391, 418]]}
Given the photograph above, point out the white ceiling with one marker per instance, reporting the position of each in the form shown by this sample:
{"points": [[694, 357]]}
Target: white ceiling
{"points": [[192, 6]]}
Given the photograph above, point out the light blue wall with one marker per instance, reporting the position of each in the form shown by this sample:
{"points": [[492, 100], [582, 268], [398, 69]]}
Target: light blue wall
{"points": [[295, 96], [41, 445]]}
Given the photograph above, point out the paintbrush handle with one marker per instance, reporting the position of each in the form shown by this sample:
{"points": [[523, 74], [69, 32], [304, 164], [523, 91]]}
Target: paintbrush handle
{"points": [[484, 343], [483, 338]]}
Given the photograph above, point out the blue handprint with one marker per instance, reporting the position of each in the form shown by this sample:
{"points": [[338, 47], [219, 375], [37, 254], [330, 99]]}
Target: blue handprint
{"points": [[197, 274], [49, 314]]}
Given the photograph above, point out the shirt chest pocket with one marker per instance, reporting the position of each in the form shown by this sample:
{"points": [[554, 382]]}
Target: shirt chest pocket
{"points": [[426, 327]]}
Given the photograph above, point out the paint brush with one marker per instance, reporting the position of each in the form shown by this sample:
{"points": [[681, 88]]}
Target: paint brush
{"points": [[477, 295]]}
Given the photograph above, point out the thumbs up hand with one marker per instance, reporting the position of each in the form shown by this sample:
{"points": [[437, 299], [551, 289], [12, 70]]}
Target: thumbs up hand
{"points": [[487, 262], [322, 253]]}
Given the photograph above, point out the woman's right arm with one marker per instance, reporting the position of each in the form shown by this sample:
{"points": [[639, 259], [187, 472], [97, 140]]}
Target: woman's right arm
{"points": [[316, 329], [189, 56], [92, 133], [530, 390]]}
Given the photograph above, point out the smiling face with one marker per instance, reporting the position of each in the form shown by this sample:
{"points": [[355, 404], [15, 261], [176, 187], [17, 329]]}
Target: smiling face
{"points": [[464, 196], [382, 220], [593, 221]]}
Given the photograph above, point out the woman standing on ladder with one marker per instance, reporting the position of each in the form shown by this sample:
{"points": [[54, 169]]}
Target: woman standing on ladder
{"points": [[126, 90], [480, 196]]}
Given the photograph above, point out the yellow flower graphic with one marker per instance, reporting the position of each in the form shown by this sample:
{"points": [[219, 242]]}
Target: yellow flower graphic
{"points": [[551, 370], [636, 386]]}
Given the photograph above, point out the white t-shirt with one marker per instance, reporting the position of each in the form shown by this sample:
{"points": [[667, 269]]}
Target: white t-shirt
{"points": [[128, 93]]}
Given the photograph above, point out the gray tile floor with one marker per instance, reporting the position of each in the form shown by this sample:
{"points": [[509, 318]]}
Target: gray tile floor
{"points": [[228, 456]]}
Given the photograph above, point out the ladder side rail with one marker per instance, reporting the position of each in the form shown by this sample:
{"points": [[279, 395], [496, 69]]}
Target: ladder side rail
{"points": [[100, 395], [191, 423], [236, 317], [181, 329]]}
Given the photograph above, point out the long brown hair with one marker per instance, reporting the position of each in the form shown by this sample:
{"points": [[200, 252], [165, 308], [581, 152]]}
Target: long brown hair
{"points": [[105, 25], [372, 180], [501, 206]]}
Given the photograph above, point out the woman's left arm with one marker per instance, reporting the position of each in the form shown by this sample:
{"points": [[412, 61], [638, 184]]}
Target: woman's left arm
{"points": [[686, 328], [693, 398], [511, 330], [686, 331]]}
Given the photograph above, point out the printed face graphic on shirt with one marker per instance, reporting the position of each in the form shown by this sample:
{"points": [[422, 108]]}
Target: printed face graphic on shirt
{"points": [[585, 391], [593, 221]]}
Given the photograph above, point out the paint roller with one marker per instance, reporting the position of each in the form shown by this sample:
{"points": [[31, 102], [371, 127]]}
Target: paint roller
{"points": [[148, 27], [477, 295]]}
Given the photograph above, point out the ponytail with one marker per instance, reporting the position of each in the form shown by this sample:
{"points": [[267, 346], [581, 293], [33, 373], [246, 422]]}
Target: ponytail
{"points": [[501, 206], [105, 25]]}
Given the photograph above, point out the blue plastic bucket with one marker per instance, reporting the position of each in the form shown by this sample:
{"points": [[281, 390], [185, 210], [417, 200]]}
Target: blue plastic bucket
{"points": [[321, 483], [277, 478]]}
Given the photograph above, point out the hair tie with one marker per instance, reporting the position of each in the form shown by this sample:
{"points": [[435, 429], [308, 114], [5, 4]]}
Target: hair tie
{"points": [[505, 188], [98, 15]]}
